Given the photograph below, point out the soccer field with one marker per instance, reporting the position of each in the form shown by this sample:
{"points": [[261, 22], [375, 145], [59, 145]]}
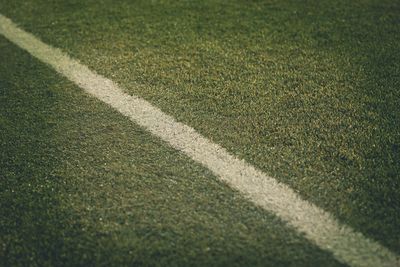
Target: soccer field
{"points": [[305, 92]]}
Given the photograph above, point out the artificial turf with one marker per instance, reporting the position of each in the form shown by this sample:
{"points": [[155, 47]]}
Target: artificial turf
{"points": [[83, 186], [307, 91]]}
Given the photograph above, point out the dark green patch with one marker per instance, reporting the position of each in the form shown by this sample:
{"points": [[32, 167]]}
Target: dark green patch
{"points": [[34, 228]]}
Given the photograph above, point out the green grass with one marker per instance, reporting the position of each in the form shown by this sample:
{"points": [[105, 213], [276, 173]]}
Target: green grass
{"points": [[307, 91], [83, 186]]}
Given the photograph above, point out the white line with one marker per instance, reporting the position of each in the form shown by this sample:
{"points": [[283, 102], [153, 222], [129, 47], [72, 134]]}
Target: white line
{"points": [[320, 227]]}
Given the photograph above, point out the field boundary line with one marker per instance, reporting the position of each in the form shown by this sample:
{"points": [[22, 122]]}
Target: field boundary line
{"points": [[320, 227]]}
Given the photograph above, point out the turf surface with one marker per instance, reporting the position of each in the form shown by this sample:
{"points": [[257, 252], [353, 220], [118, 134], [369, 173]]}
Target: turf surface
{"points": [[82, 185], [305, 90]]}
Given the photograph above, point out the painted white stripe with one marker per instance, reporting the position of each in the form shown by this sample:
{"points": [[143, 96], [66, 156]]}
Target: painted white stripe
{"points": [[320, 227]]}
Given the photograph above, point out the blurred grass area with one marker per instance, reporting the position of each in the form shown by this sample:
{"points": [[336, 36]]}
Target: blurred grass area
{"points": [[307, 91], [83, 186]]}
